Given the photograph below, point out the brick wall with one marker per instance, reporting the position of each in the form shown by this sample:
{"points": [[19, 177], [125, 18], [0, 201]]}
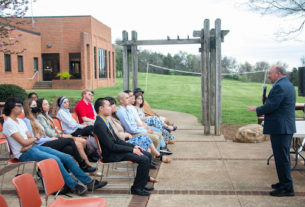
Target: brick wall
{"points": [[31, 42]]}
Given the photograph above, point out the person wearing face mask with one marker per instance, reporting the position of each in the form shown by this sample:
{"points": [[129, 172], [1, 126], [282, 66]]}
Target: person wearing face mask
{"points": [[69, 125], [54, 140]]}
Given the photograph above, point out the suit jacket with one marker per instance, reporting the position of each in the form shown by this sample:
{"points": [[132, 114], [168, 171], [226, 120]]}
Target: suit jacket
{"points": [[113, 149], [279, 109]]}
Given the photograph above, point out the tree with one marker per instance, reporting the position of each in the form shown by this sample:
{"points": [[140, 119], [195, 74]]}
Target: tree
{"points": [[11, 15], [303, 61], [294, 77], [282, 8]]}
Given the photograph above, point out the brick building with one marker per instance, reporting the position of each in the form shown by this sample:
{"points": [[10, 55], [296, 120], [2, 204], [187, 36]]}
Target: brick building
{"points": [[79, 45]]}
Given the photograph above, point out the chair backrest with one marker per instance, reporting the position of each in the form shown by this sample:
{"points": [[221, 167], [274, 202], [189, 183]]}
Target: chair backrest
{"points": [[1, 127], [21, 116], [51, 175], [3, 202], [74, 115], [99, 150], [57, 123], [27, 190]]}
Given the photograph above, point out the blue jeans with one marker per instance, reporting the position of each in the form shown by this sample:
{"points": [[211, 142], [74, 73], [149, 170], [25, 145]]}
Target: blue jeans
{"points": [[38, 153]]}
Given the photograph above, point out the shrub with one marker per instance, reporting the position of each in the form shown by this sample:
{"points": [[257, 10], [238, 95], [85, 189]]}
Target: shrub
{"points": [[63, 75], [10, 90]]}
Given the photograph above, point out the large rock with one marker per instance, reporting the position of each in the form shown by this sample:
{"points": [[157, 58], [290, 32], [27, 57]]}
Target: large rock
{"points": [[252, 133]]}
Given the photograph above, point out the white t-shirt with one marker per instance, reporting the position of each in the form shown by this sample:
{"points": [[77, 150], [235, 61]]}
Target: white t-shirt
{"points": [[9, 128]]}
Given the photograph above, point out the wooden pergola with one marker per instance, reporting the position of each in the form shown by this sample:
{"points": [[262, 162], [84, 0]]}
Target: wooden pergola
{"points": [[210, 41]]}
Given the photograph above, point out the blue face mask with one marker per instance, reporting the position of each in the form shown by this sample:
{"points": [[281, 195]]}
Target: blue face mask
{"points": [[35, 110]]}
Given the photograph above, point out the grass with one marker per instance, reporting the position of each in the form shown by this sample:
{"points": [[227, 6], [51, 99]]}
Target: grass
{"points": [[183, 94]]}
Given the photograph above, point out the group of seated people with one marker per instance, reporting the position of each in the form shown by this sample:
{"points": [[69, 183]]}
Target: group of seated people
{"points": [[125, 135]]}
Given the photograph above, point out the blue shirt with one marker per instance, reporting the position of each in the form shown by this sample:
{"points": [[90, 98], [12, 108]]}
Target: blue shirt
{"points": [[128, 121]]}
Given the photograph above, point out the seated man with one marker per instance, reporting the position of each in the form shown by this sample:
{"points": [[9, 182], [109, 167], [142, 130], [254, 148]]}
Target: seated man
{"points": [[84, 109], [128, 121], [115, 150]]}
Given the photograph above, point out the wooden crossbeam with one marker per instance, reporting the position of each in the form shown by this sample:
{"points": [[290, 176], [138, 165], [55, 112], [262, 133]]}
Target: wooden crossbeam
{"points": [[159, 42]]}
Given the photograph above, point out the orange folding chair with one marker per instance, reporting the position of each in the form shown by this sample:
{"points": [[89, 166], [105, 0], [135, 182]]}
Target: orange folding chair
{"points": [[53, 182], [126, 165], [27, 190], [75, 117], [3, 202]]}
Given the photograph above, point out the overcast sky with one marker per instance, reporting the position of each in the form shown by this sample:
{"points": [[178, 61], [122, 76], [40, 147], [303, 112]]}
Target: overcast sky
{"points": [[252, 36]]}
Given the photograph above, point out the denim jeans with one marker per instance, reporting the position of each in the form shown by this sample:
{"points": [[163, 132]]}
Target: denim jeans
{"points": [[38, 153]]}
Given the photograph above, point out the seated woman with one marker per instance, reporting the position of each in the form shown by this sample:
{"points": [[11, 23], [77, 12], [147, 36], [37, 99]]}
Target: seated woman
{"points": [[23, 148], [69, 125], [52, 131], [154, 120], [142, 140], [66, 145]]}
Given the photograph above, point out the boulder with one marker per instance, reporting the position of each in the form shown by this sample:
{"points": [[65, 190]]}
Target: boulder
{"points": [[251, 133]]}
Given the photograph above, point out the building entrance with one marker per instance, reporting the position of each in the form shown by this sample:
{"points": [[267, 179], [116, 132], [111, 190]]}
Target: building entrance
{"points": [[50, 66]]}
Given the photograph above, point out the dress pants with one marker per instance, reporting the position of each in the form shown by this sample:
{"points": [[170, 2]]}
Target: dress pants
{"points": [[281, 151], [142, 170], [66, 145]]}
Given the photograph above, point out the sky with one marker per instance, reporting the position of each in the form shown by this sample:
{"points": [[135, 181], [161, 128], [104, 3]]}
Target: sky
{"points": [[252, 37]]}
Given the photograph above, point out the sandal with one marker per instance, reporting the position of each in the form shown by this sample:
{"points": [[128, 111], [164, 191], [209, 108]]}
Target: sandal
{"points": [[153, 180]]}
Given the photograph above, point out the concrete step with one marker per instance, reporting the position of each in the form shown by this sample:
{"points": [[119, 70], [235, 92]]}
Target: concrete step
{"points": [[43, 85]]}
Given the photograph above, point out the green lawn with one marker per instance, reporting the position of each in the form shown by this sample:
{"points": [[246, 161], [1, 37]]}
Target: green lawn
{"points": [[183, 93]]}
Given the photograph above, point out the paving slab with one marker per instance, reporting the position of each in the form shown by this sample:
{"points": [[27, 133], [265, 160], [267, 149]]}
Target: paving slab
{"points": [[193, 175], [192, 200], [268, 201]]}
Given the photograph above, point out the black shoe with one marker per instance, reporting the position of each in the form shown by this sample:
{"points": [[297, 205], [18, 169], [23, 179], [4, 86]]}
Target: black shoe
{"points": [[282, 192], [154, 163], [148, 188], [79, 190], [276, 186], [87, 168], [152, 166], [165, 151], [95, 184], [140, 192]]}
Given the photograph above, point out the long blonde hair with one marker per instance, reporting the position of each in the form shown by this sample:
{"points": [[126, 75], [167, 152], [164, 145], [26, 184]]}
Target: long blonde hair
{"points": [[37, 131]]}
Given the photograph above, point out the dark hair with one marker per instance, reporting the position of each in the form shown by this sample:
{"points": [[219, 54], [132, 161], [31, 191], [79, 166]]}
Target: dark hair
{"points": [[10, 103], [99, 102], [127, 91], [39, 105], [136, 96], [111, 100], [32, 93]]}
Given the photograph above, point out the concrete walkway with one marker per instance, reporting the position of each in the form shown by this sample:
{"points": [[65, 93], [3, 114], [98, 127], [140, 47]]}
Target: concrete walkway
{"points": [[205, 171]]}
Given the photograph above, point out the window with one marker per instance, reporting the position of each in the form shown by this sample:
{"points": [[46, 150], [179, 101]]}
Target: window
{"points": [[7, 62], [102, 63], [75, 69], [95, 76], [35, 65], [109, 60], [20, 63]]}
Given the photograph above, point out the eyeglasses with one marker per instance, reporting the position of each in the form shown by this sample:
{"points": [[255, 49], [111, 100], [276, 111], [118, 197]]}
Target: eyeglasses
{"points": [[19, 105]]}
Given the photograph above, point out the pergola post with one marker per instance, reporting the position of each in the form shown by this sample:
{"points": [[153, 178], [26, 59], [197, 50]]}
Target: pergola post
{"points": [[125, 62], [134, 61], [218, 39]]}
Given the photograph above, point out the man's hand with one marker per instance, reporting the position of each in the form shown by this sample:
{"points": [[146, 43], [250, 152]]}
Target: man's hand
{"points": [[138, 147], [137, 152], [251, 108], [150, 131]]}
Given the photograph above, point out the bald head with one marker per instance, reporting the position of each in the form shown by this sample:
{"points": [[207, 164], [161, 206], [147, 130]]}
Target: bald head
{"points": [[276, 72]]}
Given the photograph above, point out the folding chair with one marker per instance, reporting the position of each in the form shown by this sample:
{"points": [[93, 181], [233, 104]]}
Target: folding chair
{"points": [[53, 182], [75, 117], [3, 202], [13, 163], [27, 190], [127, 165]]}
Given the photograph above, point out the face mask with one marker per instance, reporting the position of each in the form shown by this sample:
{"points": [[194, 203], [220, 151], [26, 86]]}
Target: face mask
{"points": [[35, 110]]}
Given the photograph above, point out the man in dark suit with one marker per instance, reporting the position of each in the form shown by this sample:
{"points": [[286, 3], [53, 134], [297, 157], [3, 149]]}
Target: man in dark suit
{"points": [[279, 122], [115, 150]]}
